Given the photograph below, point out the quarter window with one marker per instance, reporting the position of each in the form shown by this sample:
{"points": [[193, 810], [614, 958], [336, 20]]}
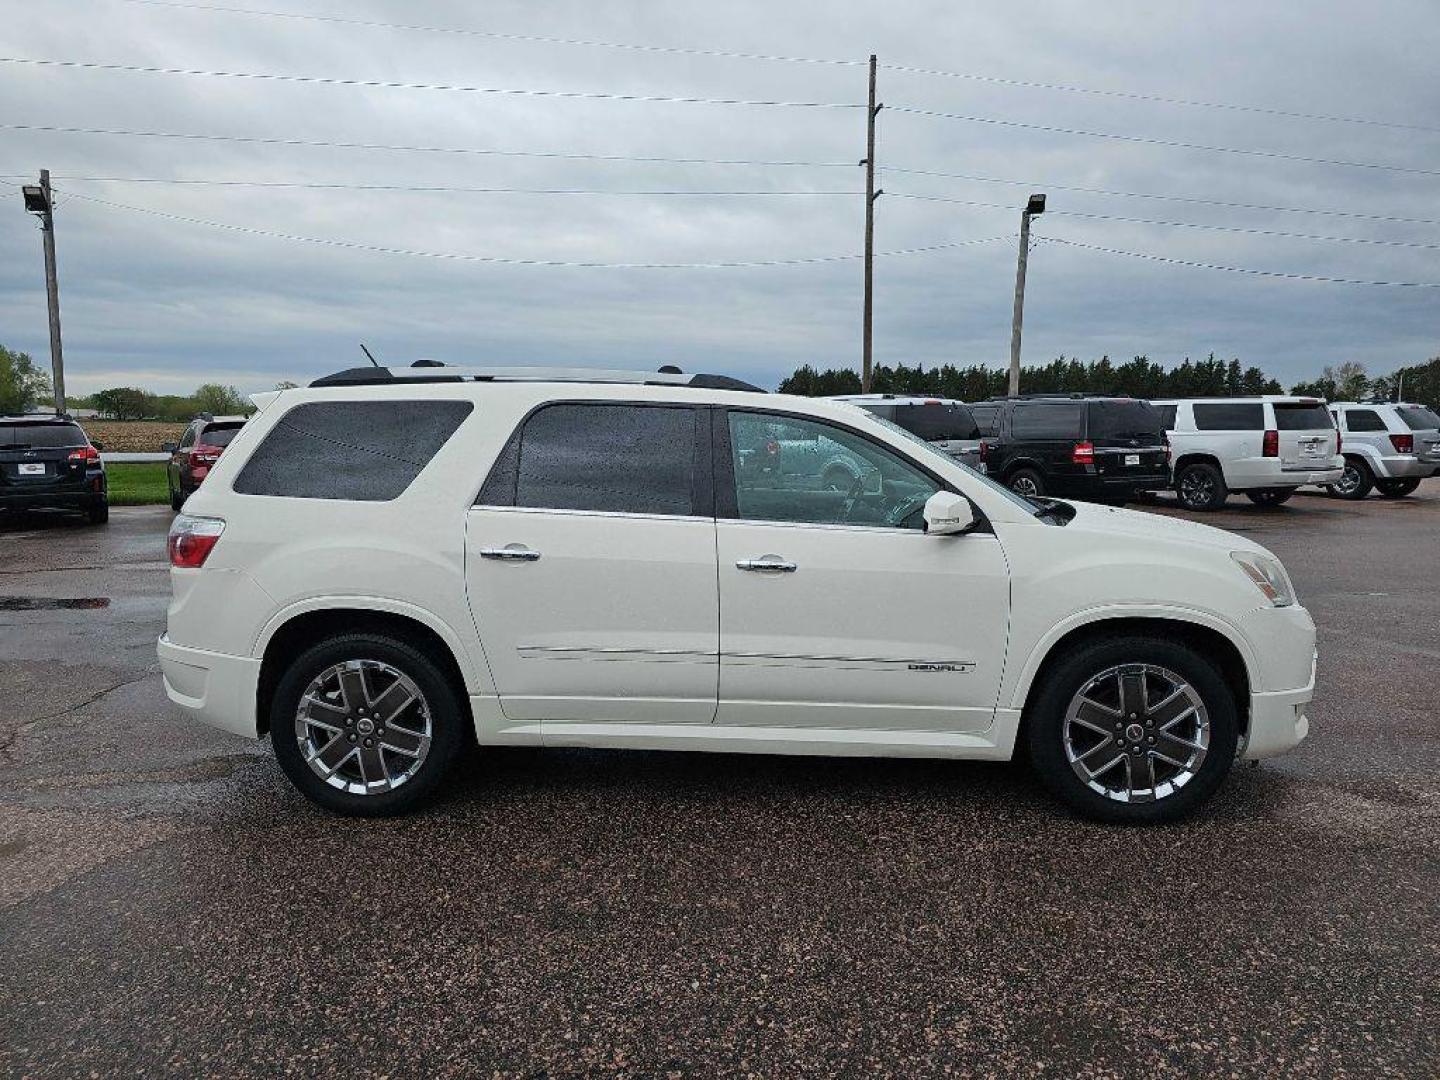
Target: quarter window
{"points": [[627, 459], [1363, 420], [1167, 416], [1225, 416], [789, 469]]}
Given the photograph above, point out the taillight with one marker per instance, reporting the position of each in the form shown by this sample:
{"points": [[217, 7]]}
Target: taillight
{"points": [[191, 540], [1083, 454], [85, 453], [1271, 446], [1404, 444], [204, 454]]}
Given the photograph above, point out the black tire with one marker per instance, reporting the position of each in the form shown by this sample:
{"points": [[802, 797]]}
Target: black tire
{"points": [[1200, 486], [1026, 482], [449, 721], [1045, 723], [1356, 483], [98, 512], [1270, 496], [1397, 489], [176, 502]]}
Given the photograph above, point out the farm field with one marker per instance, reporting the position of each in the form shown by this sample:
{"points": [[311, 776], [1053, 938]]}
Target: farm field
{"points": [[133, 436]]}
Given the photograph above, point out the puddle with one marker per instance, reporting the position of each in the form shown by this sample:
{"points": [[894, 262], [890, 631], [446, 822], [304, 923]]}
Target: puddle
{"points": [[46, 603]]}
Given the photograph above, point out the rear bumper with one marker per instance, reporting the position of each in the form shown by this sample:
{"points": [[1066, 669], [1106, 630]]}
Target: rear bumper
{"points": [[1245, 474], [1301, 477], [1098, 486], [1278, 720], [214, 688], [1404, 467]]}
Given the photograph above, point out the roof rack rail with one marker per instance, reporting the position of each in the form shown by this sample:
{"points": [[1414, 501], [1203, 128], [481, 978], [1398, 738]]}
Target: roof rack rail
{"points": [[432, 372], [1057, 395]]}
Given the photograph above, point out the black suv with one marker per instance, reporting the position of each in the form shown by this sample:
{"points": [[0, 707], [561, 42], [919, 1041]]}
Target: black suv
{"points": [[1105, 449], [48, 462]]}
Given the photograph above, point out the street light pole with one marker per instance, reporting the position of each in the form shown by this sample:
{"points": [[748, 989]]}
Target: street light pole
{"points": [[1035, 206], [868, 316], [38, 201]]}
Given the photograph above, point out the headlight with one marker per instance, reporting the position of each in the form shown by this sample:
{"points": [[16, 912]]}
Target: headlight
{"points": [[1267, 575]]}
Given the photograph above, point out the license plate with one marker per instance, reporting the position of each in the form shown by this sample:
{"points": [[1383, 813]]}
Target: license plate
{"points": [[32, 468], [1132, 459]]}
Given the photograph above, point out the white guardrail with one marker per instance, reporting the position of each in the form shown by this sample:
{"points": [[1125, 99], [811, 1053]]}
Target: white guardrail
{"points": [[130, 459]]}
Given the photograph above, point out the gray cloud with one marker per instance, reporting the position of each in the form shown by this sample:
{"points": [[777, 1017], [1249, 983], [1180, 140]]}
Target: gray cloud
{"points": [[166, 305]]}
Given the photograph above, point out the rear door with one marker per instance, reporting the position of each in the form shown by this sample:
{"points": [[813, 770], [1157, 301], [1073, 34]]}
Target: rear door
{"points": [[1307, 435], [590, 566]]}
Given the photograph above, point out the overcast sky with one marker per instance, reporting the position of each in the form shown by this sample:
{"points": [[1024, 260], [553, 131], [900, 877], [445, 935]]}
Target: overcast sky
{"points": [[166, 304]]}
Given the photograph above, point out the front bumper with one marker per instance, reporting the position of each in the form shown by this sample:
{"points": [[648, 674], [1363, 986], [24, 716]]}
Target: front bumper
{"points": [[1278, 721], [214, 688]]}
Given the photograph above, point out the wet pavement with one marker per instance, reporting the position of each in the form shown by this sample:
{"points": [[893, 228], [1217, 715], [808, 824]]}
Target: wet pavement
{"points": [[169, 905]]}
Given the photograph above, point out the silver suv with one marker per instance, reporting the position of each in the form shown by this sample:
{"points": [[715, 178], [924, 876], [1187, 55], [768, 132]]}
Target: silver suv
{"points": [[1388, 446], [946, 424]]}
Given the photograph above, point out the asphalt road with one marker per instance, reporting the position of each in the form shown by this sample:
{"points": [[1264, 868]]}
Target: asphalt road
{"points": [[169, 905]]}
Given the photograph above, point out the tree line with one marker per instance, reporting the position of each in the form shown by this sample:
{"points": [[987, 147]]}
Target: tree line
{"points": [[1139, 377]]}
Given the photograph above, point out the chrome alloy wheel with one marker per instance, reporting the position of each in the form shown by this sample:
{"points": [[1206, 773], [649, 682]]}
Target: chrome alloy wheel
{"points": [[1136, 733], [1196, 488], [1350, 480], [363, 727], [1023, 485]]}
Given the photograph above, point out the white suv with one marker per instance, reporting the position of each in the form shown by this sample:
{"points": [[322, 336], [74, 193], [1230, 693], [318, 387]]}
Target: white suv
{"points": [[387, 565], [1388, 447], [1266, 447]]}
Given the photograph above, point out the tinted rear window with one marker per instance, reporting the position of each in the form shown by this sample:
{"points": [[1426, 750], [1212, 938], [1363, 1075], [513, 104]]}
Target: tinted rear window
{"points": [[937, 422], [1227, 416], [1058, 421], [633, 459], [40, 436], [1417, 419], [218, 435], [1302, 417], [367, 451], [1125, 421]]}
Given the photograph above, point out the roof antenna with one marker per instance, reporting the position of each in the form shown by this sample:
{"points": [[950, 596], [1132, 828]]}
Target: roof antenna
{"points": [[368, 356]]}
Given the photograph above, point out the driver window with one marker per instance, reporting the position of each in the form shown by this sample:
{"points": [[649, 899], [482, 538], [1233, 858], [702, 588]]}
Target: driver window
{"points": [[787, 469]]}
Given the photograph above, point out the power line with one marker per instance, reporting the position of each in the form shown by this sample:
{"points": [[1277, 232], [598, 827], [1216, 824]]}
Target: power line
{"points": [[1043, 184], [425, 188], [1245, 229], [495, 35], [261, 140], [1129, 95], [1240, 269], [498, 260], [1149, 141], [386, 84]]}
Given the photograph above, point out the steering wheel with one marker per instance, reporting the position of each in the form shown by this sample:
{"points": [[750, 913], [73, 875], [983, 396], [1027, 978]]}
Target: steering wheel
{"points": [[904, 509]]}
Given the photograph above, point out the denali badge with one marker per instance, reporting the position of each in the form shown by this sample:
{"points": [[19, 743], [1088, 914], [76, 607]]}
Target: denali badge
{"points": [[961, 667]]}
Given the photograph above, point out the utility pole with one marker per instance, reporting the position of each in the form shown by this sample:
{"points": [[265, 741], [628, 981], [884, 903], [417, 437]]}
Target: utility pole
{"points": [[38, 200], [1035, 206], [868, 320]]}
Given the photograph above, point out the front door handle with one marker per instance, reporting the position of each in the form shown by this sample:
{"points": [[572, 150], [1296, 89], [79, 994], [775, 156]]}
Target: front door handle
{"points": [[514, 552], [771, 564]]}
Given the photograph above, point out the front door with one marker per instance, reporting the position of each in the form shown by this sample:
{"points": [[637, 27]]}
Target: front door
{"points": [[590, 566], [836, 609]]}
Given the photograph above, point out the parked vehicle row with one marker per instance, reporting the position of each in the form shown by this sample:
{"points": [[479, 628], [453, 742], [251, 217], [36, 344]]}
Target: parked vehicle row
{"points": [[415, 559]]}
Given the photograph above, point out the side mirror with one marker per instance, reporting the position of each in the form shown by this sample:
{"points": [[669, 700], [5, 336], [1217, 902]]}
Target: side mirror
{"points": [[948, 514], [167, 447]]}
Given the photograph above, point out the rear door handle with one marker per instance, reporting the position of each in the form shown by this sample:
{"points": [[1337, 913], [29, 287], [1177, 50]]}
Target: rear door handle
{"points": [[514, 553], [771, 564]]}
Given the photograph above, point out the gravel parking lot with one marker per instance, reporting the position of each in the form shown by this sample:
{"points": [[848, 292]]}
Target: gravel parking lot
{"points": [[169, 905]]}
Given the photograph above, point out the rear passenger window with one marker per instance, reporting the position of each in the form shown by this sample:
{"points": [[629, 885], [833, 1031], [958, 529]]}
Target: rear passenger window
{"points": [[628, 459], [1363, 420], [1057, 421], [1223, 416], [365, 451]]}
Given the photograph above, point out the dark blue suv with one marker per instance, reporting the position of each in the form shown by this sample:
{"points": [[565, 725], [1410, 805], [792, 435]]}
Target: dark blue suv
{"points": [[48, 462]]}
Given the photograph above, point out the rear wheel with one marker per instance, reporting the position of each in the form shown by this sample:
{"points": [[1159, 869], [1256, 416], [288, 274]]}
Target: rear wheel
{"points": [[99, 512], [1027, 482], [1355, 482], [1396, 489], [366, 724], [176, 501], [1133, 730], [1270, 496], [1201, 486]]}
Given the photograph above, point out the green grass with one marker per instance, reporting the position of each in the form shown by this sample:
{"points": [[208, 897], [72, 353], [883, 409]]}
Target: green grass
{"points": [[140, 484]]}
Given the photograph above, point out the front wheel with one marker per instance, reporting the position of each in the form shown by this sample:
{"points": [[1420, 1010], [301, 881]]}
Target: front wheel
{"points": [[366, 724], [1270, 496], [1133, 730], [1397, 489]]}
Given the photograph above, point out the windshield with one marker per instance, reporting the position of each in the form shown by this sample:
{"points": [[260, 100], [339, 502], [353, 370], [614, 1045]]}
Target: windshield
{"points": [[1418, 418], [1125, 420], [924, 450]]}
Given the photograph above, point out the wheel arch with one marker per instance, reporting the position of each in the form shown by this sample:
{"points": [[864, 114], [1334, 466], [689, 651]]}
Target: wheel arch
{"points": [[1206, 635], [292, 631], [1195, 457]]}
